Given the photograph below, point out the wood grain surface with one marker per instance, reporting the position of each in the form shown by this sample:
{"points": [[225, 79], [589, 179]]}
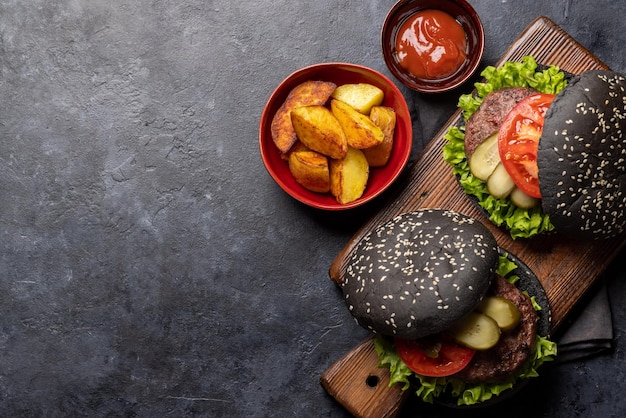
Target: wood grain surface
{"points": [[566, 268], [361, 386]]}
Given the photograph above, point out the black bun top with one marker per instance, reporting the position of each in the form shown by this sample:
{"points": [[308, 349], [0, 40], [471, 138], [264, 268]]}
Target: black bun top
{"points": [[416, 274], [582, 157]]}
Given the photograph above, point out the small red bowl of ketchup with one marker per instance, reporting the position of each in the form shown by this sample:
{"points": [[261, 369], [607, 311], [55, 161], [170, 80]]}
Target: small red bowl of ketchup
{"points": [[432, 46]]}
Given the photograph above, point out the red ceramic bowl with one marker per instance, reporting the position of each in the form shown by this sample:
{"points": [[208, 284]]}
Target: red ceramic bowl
{"points": [[463, 12], [338, 73]]}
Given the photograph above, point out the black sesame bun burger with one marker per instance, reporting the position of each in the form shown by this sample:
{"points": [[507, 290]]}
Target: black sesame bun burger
{"points": [[443, 299], [581, 157], [544, 151]]}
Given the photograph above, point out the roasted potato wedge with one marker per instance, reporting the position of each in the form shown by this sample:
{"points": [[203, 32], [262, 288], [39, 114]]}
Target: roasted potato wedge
{"points": [[318, 129], [385, 118], [310, 169], [305, 94], [348, 176], [359, 129], [361, 96]]}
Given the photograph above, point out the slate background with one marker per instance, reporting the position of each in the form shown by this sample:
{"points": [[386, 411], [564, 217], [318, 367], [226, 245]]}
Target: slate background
{"points": [[149, 266]]}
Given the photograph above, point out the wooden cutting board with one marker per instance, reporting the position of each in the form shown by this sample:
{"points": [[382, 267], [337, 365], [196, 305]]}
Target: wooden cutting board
{"points": [[566, 268]]}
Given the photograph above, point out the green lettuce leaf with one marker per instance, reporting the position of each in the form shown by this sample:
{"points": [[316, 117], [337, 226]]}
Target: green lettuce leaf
{"points": [[521, 223], [429, 388], [505, 267]]}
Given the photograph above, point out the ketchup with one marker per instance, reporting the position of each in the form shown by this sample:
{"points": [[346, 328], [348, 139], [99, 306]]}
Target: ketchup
{"points": [[431, 45]]}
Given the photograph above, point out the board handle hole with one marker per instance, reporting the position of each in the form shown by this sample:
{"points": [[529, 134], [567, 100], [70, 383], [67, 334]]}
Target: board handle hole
{"points": [[372, 381]]}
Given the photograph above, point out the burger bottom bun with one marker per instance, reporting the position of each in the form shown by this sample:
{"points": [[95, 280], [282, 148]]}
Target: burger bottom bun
{"points": [[582, 157], [418, 273]]}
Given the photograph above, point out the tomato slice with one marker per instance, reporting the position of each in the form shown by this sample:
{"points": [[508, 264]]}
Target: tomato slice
{"points": [[433, 356], [518, 141]]}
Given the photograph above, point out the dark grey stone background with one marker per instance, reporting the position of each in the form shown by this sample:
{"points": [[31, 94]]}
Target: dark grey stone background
{"points": [[149, 266]]}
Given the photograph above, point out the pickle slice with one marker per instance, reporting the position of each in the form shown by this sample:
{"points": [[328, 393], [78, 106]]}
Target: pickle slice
{"points": [[502, 310], [522, 200], [500, 184], [476, 330], [485, 158]]}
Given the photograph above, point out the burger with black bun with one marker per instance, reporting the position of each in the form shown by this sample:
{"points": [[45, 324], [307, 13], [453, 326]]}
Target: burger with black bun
{"points": [[453, 318], [541, 150]]}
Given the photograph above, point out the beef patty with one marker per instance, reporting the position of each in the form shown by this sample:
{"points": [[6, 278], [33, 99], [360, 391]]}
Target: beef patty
{"points": [[514, 347], [489, 116]]}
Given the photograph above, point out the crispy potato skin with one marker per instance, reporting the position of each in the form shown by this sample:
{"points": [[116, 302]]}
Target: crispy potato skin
{"points": [[361, 96], [304, 94], [348, 176], [310, 169], [385, 118], [319, 130], [297, 146], [359, 129]]}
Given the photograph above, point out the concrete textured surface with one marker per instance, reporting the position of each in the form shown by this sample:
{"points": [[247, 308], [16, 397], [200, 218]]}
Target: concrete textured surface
{"points": [[149, 266]]}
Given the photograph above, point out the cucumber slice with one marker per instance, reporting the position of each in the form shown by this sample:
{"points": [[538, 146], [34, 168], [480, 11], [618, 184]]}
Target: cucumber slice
{"points": [[522, 200], [500, 184], [485, 158], [502, 310], [476, 330]]}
